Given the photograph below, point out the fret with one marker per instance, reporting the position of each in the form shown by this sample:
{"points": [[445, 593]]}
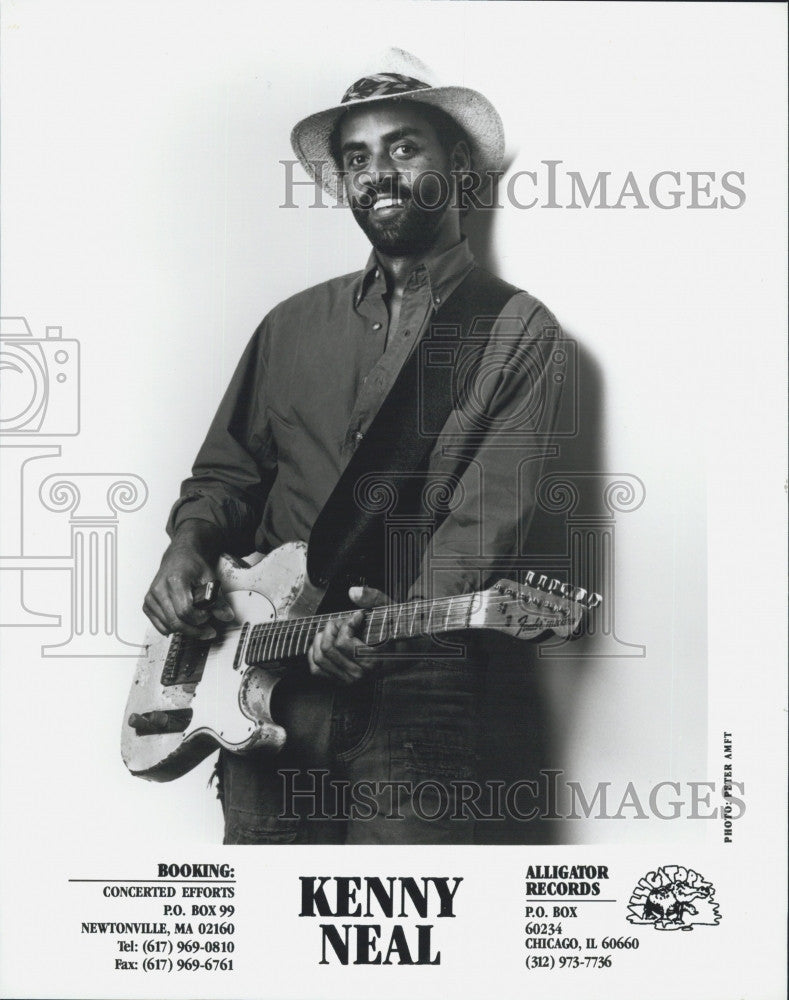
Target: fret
{"points": [[279, 640], [305, 637], [298, 628], [276, 648], [269, 642], [287, 629], [256, 637], [269, 635], [397, 626], [412, 627], [282, 637], [369, 623], [290, 632]]}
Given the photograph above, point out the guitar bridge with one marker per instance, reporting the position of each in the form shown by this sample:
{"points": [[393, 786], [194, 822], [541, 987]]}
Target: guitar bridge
{"points": [[185, 660]]}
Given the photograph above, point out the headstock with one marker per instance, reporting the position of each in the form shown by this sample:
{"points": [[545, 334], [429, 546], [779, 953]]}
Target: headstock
{"points": [[535, 609]]}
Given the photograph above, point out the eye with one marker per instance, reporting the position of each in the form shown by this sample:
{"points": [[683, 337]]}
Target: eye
{"points": [[403, 150], [355, 160]]}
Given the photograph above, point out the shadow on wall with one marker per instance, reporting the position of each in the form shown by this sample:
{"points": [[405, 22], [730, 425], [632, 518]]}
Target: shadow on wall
{"points": [[528, 707]]}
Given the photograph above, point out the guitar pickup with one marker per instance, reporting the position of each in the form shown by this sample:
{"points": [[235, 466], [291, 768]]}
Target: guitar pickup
{"points": [[174, 720]]}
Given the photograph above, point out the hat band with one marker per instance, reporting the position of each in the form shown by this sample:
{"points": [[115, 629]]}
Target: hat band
{"points": [[382, 85]]}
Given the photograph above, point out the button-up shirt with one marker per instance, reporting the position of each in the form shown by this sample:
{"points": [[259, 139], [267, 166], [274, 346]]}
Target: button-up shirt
{"points": [[311, 381]]}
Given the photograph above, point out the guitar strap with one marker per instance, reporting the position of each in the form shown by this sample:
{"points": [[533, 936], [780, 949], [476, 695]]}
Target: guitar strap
{"points": [[387, 475]]}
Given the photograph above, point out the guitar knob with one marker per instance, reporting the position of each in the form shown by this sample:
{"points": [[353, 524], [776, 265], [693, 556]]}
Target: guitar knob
{"points": [[149, 723]]}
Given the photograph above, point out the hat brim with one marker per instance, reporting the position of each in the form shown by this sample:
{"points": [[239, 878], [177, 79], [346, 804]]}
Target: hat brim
{"points": [[472, 111]]}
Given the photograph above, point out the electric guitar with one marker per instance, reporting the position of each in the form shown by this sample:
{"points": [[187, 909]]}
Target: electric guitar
{"points": [[190, 696]]}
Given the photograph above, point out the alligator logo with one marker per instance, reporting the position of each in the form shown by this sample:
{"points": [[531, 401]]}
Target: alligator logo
{"points": [[673, 898]]}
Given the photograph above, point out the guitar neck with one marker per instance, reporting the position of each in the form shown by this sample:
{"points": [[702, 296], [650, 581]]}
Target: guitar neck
{"points": [[279, 640]]}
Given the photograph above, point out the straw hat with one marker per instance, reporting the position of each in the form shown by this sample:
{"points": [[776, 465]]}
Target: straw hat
{"points": [[398, 75]]}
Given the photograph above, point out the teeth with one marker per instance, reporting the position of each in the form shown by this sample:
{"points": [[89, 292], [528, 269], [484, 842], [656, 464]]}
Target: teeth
{"points": [[387, 203]]}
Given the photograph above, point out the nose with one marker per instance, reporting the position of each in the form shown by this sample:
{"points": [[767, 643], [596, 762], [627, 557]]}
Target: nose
{"points": [[381, 166]]}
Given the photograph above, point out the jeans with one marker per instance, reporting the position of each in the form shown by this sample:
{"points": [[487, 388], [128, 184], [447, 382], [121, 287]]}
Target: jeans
{"points": [[379, 765]]}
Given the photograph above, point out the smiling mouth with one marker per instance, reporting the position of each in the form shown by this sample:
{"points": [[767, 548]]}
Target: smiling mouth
{"points": [[385, 202]]}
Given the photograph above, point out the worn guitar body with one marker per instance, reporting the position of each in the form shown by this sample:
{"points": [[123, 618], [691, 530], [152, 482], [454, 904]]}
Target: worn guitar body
{"points": [[190, 696], [213, 699]]}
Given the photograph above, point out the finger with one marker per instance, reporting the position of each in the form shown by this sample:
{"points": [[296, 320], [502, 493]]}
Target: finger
{"points": [[349, 644], [367, 657], [347, 639], [156, 613], [174, 623], [329, 649], [327, 657], [167, 622], [315, 654], [345, 664], [368, 597], [182, 601], [326, 668], [222, 610], [155, 619], [218, 606]]}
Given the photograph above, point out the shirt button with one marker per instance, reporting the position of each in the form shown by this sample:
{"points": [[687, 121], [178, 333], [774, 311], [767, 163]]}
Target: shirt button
{"points": [[358, 436], [376, 326], [377, 273], [438, 300]]}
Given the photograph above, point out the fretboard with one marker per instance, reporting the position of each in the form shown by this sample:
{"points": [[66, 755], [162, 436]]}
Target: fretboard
{"points": [[280, 640]]}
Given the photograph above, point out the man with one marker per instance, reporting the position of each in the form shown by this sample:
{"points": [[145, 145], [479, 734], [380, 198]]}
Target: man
{"points": [[303, 399]]}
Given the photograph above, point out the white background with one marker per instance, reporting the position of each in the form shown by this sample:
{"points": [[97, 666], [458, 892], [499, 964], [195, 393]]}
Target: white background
{"points": [[141, 188]]}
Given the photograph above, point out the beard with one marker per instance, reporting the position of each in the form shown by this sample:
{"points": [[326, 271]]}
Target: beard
{"points": [[412, 229]]}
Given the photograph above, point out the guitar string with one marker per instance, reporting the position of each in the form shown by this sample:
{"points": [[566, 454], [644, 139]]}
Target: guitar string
{"points": [[189, 642], [276, 639], [455, 619], [287, 628]]}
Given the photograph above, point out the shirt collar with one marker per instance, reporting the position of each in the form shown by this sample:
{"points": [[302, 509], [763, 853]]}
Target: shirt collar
{"points": [[441, 273]]}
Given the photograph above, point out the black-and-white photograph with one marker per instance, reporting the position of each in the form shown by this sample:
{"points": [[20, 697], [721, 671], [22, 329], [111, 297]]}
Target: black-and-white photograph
{"points": [[393, 403]]}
